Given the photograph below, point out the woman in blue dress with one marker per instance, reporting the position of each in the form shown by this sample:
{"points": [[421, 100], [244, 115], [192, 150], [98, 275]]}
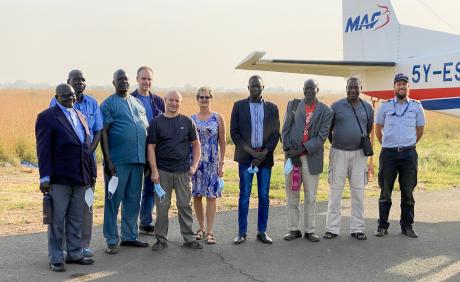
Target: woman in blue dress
{"points": [[205, 182]]}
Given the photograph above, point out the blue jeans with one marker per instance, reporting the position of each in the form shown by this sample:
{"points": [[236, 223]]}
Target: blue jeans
{"points": [[263, 187], [147, 202], [128, 194]]}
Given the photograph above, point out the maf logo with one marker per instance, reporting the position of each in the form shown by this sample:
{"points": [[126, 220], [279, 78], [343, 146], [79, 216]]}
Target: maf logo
{"points": [[375, 21]]}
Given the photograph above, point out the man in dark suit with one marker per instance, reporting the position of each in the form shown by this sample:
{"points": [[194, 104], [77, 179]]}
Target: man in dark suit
{"points": [[66, 166], [254, 128]]}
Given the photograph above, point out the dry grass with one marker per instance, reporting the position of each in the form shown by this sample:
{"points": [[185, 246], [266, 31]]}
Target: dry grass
{"points": [[20, 201]]}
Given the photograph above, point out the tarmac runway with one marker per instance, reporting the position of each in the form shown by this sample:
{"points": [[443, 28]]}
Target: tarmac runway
{"points": [[434, 256]]}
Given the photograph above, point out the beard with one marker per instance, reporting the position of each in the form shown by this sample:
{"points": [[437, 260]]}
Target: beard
{"points": [[401, 96]]}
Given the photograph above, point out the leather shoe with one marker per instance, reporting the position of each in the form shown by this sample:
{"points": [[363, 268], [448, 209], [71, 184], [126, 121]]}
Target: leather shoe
{"points": [[264, 238], [82, 261], [147, 229], [312, 237], [239, 239], [135, 243], [410, 233], [57, 267], [381, 232], [292, 235]]}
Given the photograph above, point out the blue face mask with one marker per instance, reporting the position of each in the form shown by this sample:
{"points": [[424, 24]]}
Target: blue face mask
{"points": [[159, 191], [288, 166], [221, 185], [253, 169]]}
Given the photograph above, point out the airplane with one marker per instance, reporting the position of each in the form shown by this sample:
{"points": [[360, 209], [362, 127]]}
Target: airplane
{"points": [[376, 47]]}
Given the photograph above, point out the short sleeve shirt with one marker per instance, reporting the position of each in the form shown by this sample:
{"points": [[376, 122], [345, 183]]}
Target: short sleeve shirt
{"points": [[346, 134], [399, 122], [128, 128], [172, 137]]}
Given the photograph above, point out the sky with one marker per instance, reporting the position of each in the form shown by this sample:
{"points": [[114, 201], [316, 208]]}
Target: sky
{"points": [[186, 42]]}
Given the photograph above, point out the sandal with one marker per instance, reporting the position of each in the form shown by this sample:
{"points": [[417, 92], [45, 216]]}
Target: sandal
{"points": [[199, 234], [329, 235], [210, 238], [359, 236]]}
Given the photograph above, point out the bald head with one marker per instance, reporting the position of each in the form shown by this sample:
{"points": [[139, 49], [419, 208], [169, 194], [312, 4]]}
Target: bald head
{"points": [[65, 95], [173, 102], [174, 94]]}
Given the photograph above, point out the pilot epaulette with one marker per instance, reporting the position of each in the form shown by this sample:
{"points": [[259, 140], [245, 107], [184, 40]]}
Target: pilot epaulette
{"points": [[415, 101]]}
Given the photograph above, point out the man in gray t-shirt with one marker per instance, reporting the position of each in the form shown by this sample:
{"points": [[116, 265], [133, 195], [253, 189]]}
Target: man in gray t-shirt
{"points": [[347, 160]]}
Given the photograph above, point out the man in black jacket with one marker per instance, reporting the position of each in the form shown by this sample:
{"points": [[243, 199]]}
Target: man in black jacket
{"points": [[254, 129]]}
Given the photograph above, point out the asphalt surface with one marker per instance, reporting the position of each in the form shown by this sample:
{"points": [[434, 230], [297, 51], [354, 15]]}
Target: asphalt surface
{"points": [[434, 256]]}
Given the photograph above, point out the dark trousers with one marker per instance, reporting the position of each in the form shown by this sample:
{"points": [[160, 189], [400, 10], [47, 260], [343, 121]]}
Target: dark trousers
{"points": [[263, 187], [147, 202], [391, 164]]}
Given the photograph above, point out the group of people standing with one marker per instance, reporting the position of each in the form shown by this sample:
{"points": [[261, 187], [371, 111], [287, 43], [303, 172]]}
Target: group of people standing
{"points": [[150, 149]]}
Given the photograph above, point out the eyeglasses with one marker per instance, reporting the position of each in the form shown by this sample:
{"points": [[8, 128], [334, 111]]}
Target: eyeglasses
{"points": [[204, 97]]}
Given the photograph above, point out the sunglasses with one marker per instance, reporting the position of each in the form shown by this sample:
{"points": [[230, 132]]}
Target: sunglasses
{"points": [[204, 97]]}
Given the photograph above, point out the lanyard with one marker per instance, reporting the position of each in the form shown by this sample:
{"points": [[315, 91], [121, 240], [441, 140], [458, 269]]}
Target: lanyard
{"points": [[403, 113]]}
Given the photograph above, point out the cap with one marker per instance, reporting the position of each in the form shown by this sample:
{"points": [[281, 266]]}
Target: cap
{"points": [[401, 76]]}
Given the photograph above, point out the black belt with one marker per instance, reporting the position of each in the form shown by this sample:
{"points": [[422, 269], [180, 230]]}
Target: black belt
{"points": [[400, 149]]}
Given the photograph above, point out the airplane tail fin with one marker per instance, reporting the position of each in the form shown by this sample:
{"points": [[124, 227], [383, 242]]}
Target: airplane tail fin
{"points": [[370, 30]]}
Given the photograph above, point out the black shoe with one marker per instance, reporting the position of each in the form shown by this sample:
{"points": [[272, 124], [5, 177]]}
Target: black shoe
{"points": [[135, 243], [82, 261], [410, 233], [239, 239], [359, 236], [381, 232], [264, 238], [292, 235], [57, 267], [147, 229], [192, 245], [159, 245], [312, 237]]}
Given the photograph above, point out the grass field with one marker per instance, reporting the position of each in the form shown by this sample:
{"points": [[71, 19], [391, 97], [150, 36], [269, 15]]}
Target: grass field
{"points": [[20, 200]]}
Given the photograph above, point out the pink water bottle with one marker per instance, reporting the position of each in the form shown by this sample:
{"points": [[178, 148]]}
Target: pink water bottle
{"points": [[295, 179]]}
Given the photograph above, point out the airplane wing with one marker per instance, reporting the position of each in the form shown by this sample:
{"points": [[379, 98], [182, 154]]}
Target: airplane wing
{"points": [[328, 68]]}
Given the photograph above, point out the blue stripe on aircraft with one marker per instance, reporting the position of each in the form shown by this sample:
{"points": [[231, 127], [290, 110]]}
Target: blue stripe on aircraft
{"points": [[441, 104]]}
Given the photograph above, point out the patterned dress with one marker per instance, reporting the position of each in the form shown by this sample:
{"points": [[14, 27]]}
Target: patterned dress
{"points": [[205, 181]]}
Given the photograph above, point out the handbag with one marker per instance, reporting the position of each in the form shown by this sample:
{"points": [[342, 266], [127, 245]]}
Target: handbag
{"points": [[366, 144]]}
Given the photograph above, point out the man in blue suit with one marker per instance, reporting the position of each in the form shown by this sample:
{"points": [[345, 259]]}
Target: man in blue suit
{"points": [[66, 166]]}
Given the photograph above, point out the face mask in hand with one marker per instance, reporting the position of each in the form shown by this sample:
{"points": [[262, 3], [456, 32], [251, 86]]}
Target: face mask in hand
{"points": [[113, 184], [159, 191], [288, 166], [89, 198], [253, 169], [220, 188]]}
